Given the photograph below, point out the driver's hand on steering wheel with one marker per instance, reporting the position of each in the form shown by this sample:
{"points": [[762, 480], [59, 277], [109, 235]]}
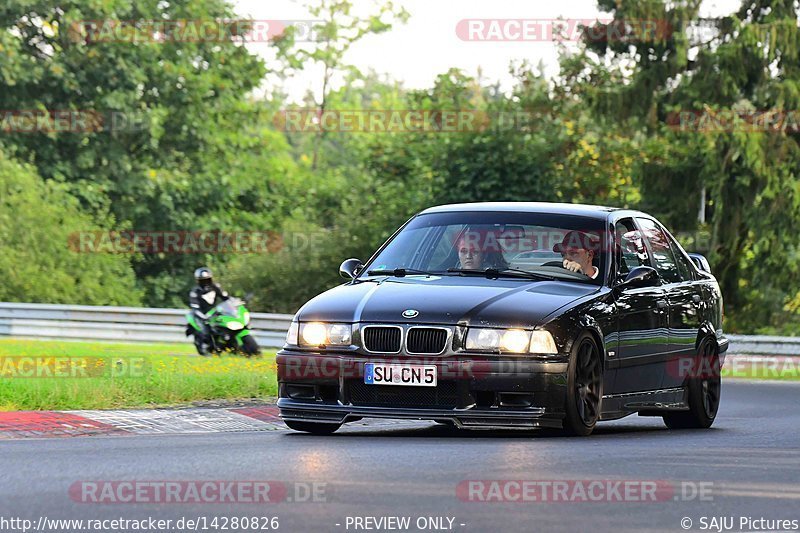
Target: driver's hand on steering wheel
{"points": [[572, 266]]}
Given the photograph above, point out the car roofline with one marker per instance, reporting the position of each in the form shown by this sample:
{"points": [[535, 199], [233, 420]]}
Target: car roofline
{"points": [[594, 211]]}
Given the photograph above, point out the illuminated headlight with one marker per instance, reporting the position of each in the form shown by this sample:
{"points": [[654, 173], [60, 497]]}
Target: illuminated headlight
{"points": [[318, 334], [510, 341], [515, 340], [234, 326]]}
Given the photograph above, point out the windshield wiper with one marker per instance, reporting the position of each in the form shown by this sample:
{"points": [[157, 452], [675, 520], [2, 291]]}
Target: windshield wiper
{"points": [[492, 273], [398, 272]]}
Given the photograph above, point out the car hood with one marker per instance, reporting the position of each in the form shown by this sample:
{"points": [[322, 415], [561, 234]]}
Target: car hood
{"points": [[445, 300]]}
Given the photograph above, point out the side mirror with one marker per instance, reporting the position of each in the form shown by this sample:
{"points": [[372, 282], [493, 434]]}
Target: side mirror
{"points": [[350, 268], [642, 276], [700, 262]]}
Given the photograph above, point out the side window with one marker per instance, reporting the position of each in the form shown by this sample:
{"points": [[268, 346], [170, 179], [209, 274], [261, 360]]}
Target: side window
{"points": [[684, 265], [663, 258], [630, 249]]}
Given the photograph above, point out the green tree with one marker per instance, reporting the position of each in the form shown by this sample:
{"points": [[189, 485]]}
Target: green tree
{"points": [[180, 148], [338, 28], [41, 228], [746, 62]]}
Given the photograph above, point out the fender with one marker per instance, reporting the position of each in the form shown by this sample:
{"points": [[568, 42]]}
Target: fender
{"points": [[588, 323], [242, 334], [707, 330]]}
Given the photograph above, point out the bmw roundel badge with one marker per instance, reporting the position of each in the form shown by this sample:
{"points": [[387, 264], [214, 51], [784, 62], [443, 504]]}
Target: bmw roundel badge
{"points": [[410, 313]]}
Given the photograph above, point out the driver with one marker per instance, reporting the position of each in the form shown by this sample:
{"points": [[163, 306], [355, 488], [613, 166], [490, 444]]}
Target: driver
{"points": [[203, 298], [578, 251]]}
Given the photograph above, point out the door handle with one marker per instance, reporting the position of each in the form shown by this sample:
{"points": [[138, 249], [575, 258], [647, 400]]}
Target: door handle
{"points": [[696, 298], [661, 304]]}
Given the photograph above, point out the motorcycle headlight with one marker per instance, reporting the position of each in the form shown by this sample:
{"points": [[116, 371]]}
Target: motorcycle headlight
{"points": [[319, 333], [510, 341], [234, 325]]}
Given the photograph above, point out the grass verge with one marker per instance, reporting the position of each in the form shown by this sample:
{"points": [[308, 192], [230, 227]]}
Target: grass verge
{"points": [[40, 375]]}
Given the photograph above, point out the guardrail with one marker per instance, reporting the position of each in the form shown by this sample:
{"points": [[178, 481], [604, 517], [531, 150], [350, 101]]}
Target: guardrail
{"points": [[764, 345], [123, 324], [141, 324]]}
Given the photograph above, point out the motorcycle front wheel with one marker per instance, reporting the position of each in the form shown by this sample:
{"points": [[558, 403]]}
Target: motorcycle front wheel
{"points": [[250, 346]]}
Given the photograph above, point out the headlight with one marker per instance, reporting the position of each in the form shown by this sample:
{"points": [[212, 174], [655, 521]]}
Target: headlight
{"points": [[291, 335], [515, 340], [510, 341], [234, 326], [542, 342], [318, 334]]}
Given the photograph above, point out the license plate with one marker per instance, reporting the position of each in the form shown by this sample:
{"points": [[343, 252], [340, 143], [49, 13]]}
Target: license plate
{"points": [[418, 375]]}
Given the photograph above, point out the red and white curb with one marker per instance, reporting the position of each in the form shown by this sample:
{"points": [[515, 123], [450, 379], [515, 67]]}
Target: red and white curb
{"points": [[42, 424]]}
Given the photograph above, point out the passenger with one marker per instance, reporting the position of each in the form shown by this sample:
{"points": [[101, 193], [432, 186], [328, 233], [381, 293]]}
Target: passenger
{"points": [[472, 257], [578, 251]]}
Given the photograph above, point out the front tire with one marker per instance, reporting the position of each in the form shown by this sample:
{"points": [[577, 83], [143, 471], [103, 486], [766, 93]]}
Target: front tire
{"points": [[315, 428], [250, 346], [704, 386], [201, 346], [584, 387]]}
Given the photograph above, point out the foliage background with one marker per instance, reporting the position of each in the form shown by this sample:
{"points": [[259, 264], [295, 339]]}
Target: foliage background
{"points": [[207, 154]]}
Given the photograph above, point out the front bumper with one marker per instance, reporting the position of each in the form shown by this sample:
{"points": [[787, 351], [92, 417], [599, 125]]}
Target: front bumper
{"points": [[472, 391]]}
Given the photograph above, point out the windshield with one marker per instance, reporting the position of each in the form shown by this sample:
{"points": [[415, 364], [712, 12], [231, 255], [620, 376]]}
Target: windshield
{"points": [[229, 307], [458, 242]]}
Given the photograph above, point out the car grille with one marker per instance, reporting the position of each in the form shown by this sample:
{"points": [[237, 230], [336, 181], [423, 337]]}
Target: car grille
{"points": [[426, 340], [444, 395], [382, 339]]}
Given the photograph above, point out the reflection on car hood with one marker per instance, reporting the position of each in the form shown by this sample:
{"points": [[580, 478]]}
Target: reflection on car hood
{"points": [[445, 300]]}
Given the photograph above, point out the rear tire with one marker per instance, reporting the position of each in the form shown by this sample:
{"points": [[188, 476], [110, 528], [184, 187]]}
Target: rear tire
{"points": [[250, 346], [584, 387], [316, 428], [704, 386]]}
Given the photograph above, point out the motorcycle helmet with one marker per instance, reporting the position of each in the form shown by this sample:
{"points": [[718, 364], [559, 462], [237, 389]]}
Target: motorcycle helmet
{"points": [[203, 276]]}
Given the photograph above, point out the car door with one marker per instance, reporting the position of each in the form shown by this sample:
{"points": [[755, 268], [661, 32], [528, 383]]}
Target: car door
{"points": [[642, 342], [686, 317], [683, 297]]}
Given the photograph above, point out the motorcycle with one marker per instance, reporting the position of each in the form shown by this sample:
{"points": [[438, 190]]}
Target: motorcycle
{"points": [[228, 325]]}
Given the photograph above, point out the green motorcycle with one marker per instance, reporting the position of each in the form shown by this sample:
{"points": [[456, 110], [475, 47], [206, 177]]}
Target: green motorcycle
{"points": [[228, 325]]}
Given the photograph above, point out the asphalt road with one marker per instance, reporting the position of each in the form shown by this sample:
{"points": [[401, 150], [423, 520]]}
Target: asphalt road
{"points": [[748, 465]]}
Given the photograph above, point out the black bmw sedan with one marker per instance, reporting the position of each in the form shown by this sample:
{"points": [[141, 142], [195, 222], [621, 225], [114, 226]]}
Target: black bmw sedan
{"points": [[511, 315]]}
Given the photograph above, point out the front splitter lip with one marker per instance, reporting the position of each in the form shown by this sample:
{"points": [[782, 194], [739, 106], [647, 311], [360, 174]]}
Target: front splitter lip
{"points": [[527, 418]]}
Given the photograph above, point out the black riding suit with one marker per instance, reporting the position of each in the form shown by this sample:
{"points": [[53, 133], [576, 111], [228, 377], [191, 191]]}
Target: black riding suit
{"points": [[202, 299]]}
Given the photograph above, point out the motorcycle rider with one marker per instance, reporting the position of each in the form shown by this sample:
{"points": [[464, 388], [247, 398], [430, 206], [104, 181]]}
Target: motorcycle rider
{"points": [[203, 298]]}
